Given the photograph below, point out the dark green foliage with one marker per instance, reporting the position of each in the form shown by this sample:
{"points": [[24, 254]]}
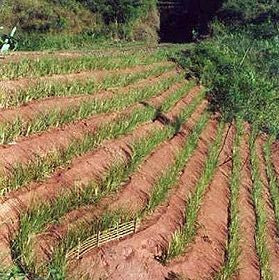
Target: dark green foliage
{"points": [[240, 63], [120, 11]]}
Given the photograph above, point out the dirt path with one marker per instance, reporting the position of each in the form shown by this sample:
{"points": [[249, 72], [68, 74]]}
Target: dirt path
{"points": [[133, 257], [248, 261], [272, 234]]}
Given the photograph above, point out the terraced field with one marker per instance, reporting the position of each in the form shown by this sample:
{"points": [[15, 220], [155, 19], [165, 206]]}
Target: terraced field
{"points": [[89, 142]]}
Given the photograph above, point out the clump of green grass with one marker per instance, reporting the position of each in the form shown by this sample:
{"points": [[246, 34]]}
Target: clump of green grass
{"points": [[233, 249], [183, 236], [171, 176], [11, 131], [272, 178], [261, 215], [74, 88]]}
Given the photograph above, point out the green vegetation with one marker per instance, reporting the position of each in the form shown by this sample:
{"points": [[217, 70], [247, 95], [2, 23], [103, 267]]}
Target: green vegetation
{"points": [[183, 236], [45, 89], [42, 167], [233, 249], [239, 63], [171, 176], [79, 23], [261, 215], [272, 178], [54, 118], [35, 220]]}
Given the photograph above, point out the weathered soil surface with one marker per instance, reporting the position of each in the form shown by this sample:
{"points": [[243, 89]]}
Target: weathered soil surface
{"points": [[140, 255]]}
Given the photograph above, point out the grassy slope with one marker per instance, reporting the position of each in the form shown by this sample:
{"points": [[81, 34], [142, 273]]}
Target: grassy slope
{"points": [[239, 63]]}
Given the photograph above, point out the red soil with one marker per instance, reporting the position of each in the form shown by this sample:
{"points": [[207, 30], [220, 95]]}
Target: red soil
{"points": [[248, 261], [133, 257], [271, 230], [132, 197], [206, 254]]}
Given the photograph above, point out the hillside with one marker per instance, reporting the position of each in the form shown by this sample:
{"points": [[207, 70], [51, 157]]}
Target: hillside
{"points": [[73, 21]]}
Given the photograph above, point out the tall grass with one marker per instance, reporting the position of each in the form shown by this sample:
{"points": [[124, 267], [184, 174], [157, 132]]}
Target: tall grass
{"points": [[171, 176], [90, 86], [11, 131], [233, 249], [50, 66], [259, 207], [272, 178], [183, 236]]}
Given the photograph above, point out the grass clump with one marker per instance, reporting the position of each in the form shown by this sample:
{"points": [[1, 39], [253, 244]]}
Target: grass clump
{"points": [[233, 249], [261, 215], [183, 236]]}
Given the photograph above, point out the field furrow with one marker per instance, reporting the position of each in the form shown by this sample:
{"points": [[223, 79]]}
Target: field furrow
{"points": [[10, 131], [114, 166], [155, 232], [206, 253], [270, 225], [18, 91], [248, 262]]}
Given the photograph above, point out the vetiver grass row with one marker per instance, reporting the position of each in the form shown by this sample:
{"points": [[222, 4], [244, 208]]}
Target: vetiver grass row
{"points": [[233, 246], [43, 166], [10, 131], [116, 175], [272, 178], [161, 188], [259, 208], [90, 86], [171, 176], [49, 66], [184, 236]]}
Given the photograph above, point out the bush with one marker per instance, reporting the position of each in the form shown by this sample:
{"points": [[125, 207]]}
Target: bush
{"points": [[240, 63]]}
